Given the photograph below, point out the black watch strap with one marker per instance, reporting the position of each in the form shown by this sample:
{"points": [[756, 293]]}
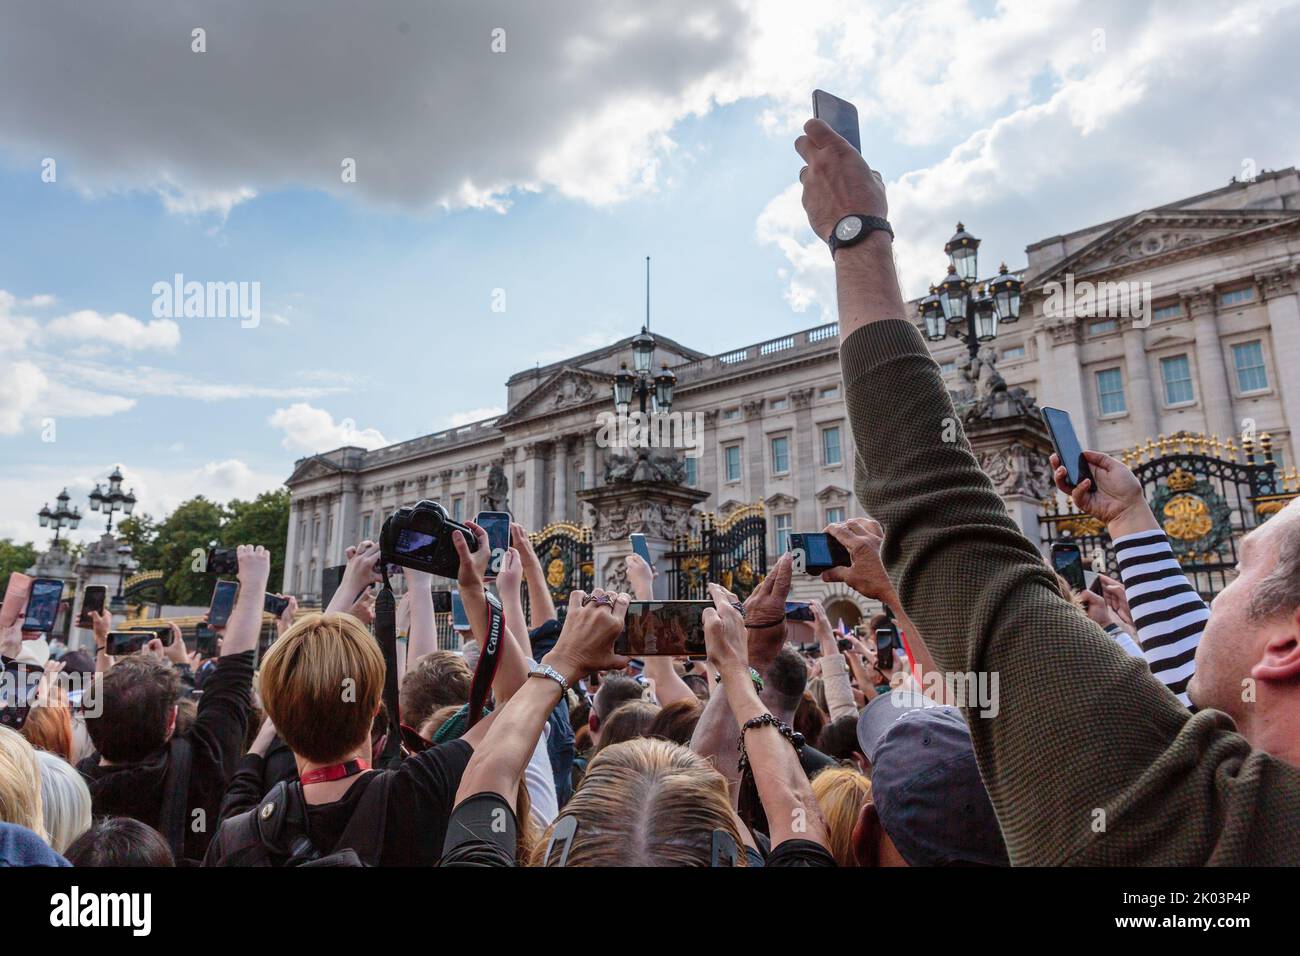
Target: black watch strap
{"points": [[870, 224]]}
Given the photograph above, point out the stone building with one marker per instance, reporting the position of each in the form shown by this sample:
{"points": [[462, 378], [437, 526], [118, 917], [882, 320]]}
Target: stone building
{"points": [[1214, 348]]}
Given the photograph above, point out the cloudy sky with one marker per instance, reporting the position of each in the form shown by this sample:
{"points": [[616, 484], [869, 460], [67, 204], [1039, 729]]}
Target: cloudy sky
{"points": [[531, 153]]}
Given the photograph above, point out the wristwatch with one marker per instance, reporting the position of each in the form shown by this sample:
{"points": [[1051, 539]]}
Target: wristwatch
{"points": [[546, 670], [855, 227]]}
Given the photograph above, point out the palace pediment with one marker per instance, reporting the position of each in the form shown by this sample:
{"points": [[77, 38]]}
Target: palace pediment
{"points": [[565, 388]]}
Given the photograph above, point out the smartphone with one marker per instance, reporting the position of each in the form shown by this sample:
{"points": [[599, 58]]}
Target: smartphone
{"points": [[205, 641], [18, 685], [459, 620], [92, 600], [886, 641], [658, 628], [639, 547], [497, 526], [844, 645], [1067, 561], [223, 602], [223, 561], [330, 579], [820, 551], [274, 605], [164, 634], [798, 611], [43, 604], [1067, 445], [441, 602], [121, 643], [1096, 586], [840, 115], [16, 591]]}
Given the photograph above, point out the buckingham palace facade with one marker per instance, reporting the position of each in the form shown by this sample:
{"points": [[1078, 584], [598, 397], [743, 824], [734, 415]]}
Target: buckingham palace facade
{"points": [[1217, 351]]}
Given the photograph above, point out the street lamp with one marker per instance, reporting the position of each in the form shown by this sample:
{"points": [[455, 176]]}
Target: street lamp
{"points": [[114, 499], [61, 517], [961, 306], [656, 391], [118, 604]]}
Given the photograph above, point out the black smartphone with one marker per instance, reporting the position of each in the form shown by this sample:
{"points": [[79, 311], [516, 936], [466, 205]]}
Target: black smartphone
{"points": [[223, 561], [121, 643], [639, 547], [459, 619], [886, 641], [205, 641], [223, 602], [330, 579], [18, 686], [497, 526], [43, 604], [164, 634], [820, 551], [273, 604], [441, 602], [1067, 444], [92, 600], [798, 611], [844, 645], [1096, 587], [659, 628], [840, 115], [1067, 561]]}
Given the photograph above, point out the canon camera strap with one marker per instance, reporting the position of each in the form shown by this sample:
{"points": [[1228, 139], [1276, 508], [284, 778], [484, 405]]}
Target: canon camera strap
{"points": [[386, 636], [488, 658]]}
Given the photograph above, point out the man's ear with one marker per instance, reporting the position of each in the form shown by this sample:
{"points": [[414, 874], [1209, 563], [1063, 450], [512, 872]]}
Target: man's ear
{"points": [[171, 721], [1281, 658], [593, 722]]}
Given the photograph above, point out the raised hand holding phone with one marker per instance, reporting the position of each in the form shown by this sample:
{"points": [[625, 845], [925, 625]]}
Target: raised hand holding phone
{"points": [[1110, 493]]}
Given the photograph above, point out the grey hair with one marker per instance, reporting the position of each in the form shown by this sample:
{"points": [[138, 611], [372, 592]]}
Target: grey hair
{"points": [[1279, 591], [65, 800]]}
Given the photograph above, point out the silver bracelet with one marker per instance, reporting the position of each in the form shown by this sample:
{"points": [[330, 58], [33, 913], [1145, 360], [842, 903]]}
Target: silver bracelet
{"points": [[546, 670]]}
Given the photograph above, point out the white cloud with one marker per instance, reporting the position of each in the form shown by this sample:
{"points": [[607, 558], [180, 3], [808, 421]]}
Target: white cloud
{"points": [[118, 330], [314, 430]]}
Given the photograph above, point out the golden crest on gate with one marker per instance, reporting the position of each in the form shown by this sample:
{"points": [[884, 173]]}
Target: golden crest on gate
{"points": [[1187, 517]]}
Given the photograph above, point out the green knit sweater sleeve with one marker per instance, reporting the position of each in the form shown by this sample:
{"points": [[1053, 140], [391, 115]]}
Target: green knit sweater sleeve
{"points": [[1087, 757]]}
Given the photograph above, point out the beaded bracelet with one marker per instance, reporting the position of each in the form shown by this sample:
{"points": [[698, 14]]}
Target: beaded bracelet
{"points": [[789, 733]]}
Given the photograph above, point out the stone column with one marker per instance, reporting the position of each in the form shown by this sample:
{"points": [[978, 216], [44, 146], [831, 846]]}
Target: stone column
{"points": [[533, 501], [1141, 399], [755, 450], [804, 461], [291, 547], [1283, 304], [560, 494], [348, 524], [589, 470], [1215, 396], [1063, 366]]}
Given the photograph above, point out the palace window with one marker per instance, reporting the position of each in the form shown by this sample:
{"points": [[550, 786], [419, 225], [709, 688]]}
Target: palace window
{"points": [[691, 471], [783, 526], [830, 391], [1102, 326], [731, 455], [1176, 372], [1110, 392], [1172, 311], [834, 515], [458, 508], [1248, 357], [1236, 296], [780, 404], [365, 527], [781, 455], [1015, 352], [831, 454]]}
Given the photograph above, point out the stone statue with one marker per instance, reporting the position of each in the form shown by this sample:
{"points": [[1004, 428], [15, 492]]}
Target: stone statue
{"points": [[643, 466], [989, 397], [498, 487]]}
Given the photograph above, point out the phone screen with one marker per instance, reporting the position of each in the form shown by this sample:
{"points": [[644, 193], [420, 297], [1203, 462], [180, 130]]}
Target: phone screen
{"points": [[884, 647], [223, 602], [92, 600], [330, 579], [798, 611], [442, 602], [1067, 561], [497, 526], [43, 604], [656, 628], [205, 641], [639, 547], [274, 605], [840, 115], [121, 643], [820, 551], [459, 620], [1067, 444]]}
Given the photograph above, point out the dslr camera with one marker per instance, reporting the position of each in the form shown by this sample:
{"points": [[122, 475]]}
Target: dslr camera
{"points": [[420, 538]]}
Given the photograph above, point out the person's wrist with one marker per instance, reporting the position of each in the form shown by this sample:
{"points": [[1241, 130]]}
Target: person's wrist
{"points": [[1133, 518], [566, 666]]}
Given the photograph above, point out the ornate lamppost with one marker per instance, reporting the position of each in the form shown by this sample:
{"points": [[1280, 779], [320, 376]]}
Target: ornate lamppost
{"points": [[61, 517], [114, 499], [962, 306], [653, 393]]}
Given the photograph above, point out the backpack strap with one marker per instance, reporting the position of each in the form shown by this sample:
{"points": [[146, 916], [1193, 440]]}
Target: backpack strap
{"points": [[176, 790]]}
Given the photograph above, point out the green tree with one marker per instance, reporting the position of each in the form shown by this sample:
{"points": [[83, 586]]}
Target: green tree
{"points": [[20, 557], [141, 533], [193, 525], [264, 521]]}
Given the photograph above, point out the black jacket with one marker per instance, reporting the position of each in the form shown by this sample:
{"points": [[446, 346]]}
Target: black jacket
{"points": [[216, 739]]}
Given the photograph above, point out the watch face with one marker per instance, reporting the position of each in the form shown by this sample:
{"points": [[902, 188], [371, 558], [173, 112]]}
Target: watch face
{"points": [[848, 228]]}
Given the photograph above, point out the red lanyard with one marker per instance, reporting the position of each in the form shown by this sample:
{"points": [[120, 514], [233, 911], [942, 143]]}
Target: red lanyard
{"points": [[334, 772]]}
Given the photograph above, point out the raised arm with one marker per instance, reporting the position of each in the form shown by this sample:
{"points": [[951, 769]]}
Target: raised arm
{"points": [[835, 667], [792, 810], [1054, 763], [245, 622], [540, 606], [422, 633], [363, 562], [669, 686]]}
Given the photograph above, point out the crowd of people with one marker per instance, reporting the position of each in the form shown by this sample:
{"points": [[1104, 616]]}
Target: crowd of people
{"points": [[1132, 726]]}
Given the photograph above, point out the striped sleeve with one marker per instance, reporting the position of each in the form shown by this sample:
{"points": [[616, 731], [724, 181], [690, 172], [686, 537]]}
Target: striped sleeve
{"points": [[1168, 612]]}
